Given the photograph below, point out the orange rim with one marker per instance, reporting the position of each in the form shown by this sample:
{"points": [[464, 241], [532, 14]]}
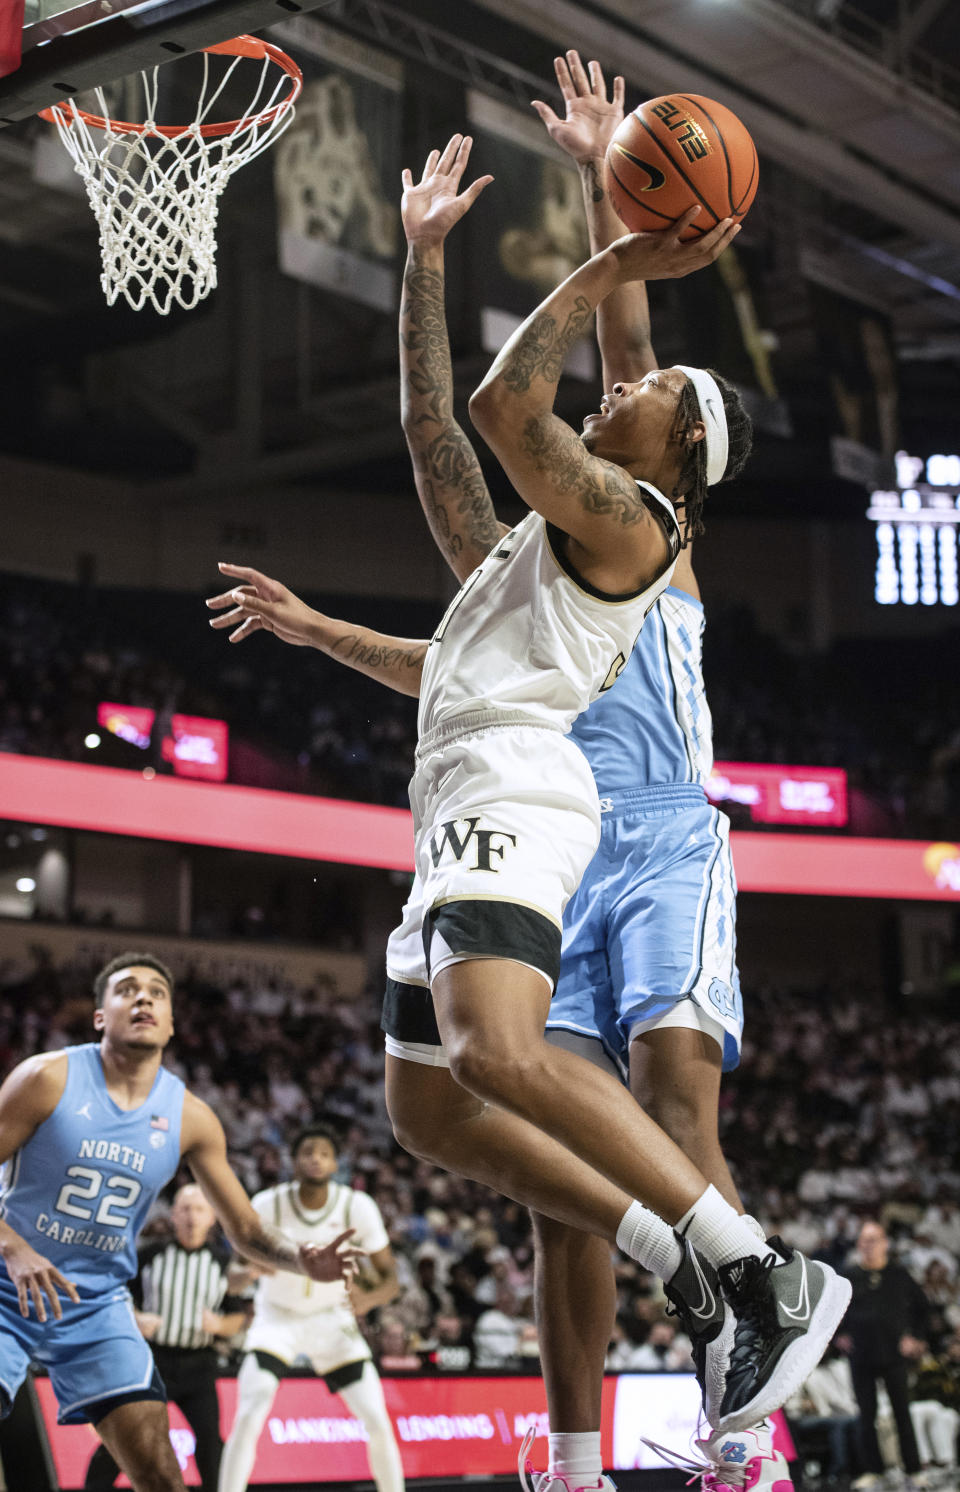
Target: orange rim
{"points": [[238, 46]]}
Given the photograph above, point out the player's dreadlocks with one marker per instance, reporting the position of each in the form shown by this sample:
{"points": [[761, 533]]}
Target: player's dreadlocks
{"points": [[692, 483]]}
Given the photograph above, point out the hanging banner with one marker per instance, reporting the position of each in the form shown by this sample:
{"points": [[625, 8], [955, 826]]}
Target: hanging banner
{"points": [[528, 231], [858, 360], [725, 324], [337, 168]]}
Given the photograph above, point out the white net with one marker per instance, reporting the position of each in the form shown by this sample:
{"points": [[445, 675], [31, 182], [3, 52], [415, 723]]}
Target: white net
{"points": [[156, 197]]}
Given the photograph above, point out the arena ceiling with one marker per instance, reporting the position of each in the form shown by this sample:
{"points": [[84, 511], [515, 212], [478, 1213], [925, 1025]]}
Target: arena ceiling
{"points": [[858, 127]]}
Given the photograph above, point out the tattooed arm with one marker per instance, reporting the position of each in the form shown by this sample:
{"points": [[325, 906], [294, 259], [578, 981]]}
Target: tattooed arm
{"points": [[590, 122], [450, 484], [261, 604], [204, 1148], [596, 502]]}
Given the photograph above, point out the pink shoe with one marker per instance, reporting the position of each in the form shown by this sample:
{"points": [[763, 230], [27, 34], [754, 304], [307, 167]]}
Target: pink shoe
{"points": [[552, 1481], [740, 1462], [745, 1460]]}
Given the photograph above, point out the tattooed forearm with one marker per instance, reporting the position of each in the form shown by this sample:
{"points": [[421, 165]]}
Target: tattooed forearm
{"points": [[267, 1245], [425, 369], [452, 474], [541, 350], [357, 649], [601, 487], [592, 184], [449, 480]]}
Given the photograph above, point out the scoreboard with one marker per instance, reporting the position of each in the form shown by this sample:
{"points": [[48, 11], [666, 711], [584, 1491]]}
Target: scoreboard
{"points": [[917, 528]]}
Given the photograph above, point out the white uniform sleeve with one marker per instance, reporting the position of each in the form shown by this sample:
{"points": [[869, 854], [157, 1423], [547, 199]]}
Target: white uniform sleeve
{"points": [[263, 1205], [364, 1216]]}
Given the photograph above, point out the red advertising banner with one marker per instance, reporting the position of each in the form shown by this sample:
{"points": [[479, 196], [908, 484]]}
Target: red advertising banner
{"points": [[782, 795], [196, 747], [111, 801], [445, 1427]]}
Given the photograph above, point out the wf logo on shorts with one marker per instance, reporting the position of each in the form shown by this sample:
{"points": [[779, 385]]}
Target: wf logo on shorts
{"points": [[480, 841]]}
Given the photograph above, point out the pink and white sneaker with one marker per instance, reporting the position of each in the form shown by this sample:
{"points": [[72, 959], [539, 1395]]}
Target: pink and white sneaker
{"points": [[741, 1462], [532, 1480], [746, 1461]]}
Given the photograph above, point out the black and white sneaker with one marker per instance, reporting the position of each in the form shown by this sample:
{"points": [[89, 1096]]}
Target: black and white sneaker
{"points": [[694, 1293], [787, 1308]]}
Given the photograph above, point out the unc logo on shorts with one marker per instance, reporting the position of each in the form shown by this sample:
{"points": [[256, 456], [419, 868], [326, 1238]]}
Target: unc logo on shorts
{"points": [[726, 1001], [480, 841]]}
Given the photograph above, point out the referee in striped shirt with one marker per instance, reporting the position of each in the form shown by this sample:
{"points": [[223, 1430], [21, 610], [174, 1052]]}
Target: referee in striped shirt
{"points": [[183, 1288]]}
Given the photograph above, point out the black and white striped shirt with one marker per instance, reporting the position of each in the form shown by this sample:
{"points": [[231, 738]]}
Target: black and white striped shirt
{"points": [[178, 1285]]}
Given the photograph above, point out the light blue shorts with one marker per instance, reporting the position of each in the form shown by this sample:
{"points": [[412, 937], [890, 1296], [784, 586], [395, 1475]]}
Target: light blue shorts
{"points": [[94, 1355], [652, 925]]}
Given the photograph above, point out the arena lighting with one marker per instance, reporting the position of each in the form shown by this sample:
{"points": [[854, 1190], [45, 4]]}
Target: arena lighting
{"points": [[26, 884], [92, 741], [108, 800]]}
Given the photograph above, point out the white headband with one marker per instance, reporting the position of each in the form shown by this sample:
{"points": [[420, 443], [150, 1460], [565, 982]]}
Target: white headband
{"points": [[714, 417]]}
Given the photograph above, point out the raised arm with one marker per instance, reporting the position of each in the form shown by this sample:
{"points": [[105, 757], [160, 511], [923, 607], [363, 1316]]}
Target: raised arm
{"points": [[595, 501], [205, 1151], [450, 484], [260, 604], [590, 121]]}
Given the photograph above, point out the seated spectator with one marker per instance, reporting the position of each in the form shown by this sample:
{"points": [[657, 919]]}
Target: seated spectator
{"points": [[935, 1408], [665, 1351], [498, 1334], [826, 1406], [395, 1350]]}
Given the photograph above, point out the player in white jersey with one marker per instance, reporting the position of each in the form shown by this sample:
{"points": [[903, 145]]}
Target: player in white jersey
{"points": [[506, 813], [318, 1322], [89, 1136], [648, 957]]}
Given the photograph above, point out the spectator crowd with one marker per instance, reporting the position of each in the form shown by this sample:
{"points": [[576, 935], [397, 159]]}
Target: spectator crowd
{"points": [[303, 723], [842, 1112]]}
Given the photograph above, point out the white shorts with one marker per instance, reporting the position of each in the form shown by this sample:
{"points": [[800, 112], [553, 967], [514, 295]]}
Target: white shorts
{"points": [[506, 820], [328, 1339], [659, 893]]}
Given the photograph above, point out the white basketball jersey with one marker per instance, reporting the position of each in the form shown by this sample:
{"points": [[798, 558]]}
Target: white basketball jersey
{"points": [[525, 633], [345, 1208]]}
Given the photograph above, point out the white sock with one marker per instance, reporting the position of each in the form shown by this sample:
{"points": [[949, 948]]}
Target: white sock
{"points": [[364, 1398], [650, 1241], [754, 1226], [718, 1233], [576, 1456]]}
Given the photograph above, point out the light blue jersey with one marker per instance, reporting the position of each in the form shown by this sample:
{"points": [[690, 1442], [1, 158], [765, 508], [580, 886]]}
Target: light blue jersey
{"points": [[80, 1189], [653, 728]]}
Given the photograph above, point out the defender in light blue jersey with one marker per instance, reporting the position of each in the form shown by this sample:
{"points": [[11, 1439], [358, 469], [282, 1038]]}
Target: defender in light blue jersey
{"points": [[88, 1138], [649, 939]]}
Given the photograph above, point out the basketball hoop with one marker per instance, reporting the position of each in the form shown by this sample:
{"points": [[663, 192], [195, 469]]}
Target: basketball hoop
{"points": [[155, 188]]}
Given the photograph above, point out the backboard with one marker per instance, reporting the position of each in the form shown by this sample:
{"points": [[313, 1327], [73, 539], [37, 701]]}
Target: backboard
{"points": [[71, 47]]}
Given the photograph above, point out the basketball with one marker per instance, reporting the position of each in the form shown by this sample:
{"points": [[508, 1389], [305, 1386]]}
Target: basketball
{"points": [[675, 151]]}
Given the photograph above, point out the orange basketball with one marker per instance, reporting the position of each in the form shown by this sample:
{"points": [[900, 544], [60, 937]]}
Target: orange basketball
{"points": [[679, 150]]}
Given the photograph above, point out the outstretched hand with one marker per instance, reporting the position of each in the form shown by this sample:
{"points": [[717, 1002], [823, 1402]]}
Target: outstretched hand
{"points": [[431, 207], [260, 603], [591, 119], [664, 256], [331, 1263]]}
